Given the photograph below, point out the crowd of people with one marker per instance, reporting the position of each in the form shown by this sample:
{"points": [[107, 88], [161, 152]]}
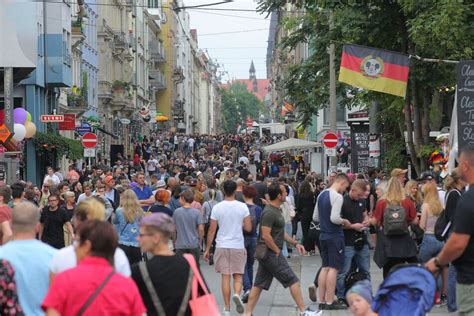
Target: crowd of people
{"points": [[128, 238]]}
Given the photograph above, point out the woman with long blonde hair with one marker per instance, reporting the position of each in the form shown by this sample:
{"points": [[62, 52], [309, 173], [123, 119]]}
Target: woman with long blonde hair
{"points": [[394, 249], [126, 221], [430, 246], [413, 193]]}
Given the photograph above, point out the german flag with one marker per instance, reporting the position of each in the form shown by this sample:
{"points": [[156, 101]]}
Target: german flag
{"points": [[375, 69]]}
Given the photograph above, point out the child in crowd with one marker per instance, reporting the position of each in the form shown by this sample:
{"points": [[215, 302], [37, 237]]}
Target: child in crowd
{"points": [[359, 298]]}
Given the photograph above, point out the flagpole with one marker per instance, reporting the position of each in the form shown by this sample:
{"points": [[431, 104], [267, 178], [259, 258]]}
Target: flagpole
{"points": [[332, 87]]}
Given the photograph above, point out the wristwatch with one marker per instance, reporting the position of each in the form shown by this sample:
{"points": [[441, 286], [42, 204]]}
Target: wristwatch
{"points": [[438, 264]]}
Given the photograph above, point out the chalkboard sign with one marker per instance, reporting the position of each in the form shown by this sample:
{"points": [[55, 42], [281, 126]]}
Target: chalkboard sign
{"points": [[359, 148], [465, 102]]}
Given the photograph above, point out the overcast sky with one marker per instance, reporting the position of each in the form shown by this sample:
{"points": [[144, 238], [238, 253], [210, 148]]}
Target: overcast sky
{"points": [[234, 51]]}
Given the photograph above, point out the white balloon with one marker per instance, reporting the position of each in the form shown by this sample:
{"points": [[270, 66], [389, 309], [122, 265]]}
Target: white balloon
{"points": [[20, 132]]}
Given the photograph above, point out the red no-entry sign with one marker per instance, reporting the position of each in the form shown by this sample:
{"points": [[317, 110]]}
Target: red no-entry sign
{"points": [[330, 140], [89, 140]]}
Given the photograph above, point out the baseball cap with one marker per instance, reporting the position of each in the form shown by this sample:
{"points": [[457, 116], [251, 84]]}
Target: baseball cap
{"points": [[193, 182], [108, 179], [426, 176], [398, 172], [161, 184]]}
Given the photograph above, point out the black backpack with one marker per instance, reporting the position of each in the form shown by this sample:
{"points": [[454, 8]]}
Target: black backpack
{"points": [[443, 225], [395, 220], [353, 277]]}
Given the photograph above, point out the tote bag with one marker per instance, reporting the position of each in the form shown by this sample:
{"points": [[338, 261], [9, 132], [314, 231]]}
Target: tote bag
{"points": [[205, 305]]}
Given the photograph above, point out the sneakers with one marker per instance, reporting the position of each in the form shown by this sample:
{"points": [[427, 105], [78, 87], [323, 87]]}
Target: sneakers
{"points": [[336, 305], [342, 301], [238, 303], [312, 292], [309, 312], [226, 313], [245, 297], [322, 306], [443, 300]]}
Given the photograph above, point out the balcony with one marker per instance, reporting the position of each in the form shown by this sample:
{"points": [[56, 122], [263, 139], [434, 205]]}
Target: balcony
{"points": [[157, 51], [178, 75], [157, 79], [120, 99], [76, 104], [120, 41]]}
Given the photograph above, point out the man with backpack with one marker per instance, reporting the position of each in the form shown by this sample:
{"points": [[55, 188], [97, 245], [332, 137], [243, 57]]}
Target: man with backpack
{"points": [[459, 248], [328, 213], [355, 237]]}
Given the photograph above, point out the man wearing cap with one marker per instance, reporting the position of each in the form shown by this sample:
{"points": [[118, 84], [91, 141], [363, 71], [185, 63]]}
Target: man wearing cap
{"points": [[428, 177], [110, 193], [400, 174]]}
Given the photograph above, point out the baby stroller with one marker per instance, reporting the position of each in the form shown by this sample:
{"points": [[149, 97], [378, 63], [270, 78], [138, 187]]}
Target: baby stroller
{"points": [[408, 290]]}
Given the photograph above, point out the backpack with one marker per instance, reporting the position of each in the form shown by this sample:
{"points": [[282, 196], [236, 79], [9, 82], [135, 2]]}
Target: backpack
{"points": [[443, 225], [395, 220], [353, 277]]}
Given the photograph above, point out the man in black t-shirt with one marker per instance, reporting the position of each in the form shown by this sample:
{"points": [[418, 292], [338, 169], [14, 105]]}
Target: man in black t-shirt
{"points": [[459, 248], [52, 221], [355, 240]]}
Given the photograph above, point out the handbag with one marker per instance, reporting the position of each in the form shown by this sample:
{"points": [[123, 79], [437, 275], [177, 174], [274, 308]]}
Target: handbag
{"points": [[205, 305], [261, 251], [154, 296], [96, 293]]}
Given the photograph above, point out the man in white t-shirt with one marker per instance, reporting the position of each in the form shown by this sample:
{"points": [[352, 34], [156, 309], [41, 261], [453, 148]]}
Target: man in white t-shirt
{"points": [[151, 165], [230, 255]]}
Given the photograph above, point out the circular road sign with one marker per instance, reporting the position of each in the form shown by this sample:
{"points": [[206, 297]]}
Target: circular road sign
{"points": [[89, 140], [330, 140]]}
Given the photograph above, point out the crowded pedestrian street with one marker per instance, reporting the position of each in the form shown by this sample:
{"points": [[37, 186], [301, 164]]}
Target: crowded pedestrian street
{"points": [[236, 157]]}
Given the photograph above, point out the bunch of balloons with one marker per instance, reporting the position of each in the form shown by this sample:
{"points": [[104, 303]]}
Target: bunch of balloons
{"points": [[23, 127]]}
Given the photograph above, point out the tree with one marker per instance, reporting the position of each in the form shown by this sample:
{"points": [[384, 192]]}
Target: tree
{"points": [[435, 29], [238, 104]]}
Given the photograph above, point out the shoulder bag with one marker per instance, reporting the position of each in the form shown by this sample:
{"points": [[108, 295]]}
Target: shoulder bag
{"points": [[154, 296], [205, 305], [95, 294]]}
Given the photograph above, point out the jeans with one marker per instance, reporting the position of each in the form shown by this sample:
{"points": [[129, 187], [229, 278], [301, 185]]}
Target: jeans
{"points": [[452, 306], [250, 246], [362, 261], [288, 230], [430, 247]]}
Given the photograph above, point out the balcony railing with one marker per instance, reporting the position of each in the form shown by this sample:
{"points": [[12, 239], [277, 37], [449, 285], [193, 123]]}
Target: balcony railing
{"points": [[157, 51], [157, 79]]}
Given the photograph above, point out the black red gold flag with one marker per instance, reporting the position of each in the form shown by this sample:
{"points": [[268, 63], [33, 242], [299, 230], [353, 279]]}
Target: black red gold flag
{"points": [[374, 69]]}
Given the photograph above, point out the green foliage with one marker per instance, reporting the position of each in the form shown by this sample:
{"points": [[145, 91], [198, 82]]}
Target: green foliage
{"points": [[426, 150], [393, 155], [238, 104], [62, 146]]}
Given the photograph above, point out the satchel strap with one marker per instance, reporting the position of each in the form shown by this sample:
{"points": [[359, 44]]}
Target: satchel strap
{"points": [[154, 296], [151, 289], [95, 294], [197, 279]]}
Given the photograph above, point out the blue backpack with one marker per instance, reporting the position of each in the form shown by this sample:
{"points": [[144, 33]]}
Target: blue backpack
{"points": [[408, 290]]}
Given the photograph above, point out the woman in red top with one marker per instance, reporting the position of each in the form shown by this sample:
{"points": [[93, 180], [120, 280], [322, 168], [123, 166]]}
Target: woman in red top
{"points": [[394, 249], [93, 288]]}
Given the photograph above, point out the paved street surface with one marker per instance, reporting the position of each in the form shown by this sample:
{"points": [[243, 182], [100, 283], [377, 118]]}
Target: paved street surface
{"points": [[277, 301]]}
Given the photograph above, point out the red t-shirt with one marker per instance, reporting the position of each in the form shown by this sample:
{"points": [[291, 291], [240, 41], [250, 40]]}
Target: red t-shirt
{"points": [[72, 288], [5, 216], [407, 204]]}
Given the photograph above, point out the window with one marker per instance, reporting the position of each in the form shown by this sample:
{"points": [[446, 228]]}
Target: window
{"points": [[340, 114], [154, 4]]}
